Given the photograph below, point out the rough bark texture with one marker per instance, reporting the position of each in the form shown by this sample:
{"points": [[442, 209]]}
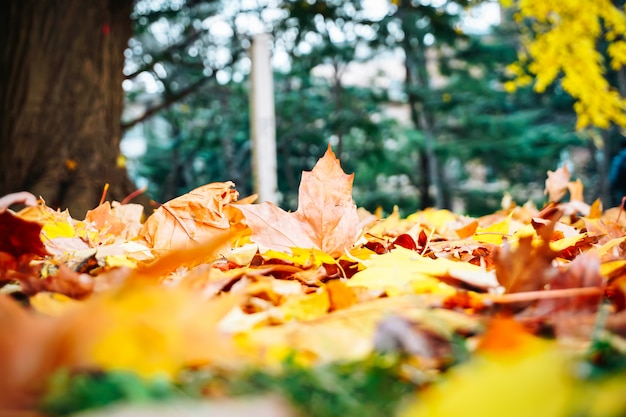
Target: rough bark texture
{"points": [[62, 98]]}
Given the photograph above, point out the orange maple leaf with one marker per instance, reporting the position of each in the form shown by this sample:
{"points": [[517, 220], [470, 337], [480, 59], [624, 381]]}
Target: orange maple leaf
{"points": [[326, 218]]}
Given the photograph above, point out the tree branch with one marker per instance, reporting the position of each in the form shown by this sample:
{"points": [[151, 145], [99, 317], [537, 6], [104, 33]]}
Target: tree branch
{"points": [[166, 103], [167, 52]]}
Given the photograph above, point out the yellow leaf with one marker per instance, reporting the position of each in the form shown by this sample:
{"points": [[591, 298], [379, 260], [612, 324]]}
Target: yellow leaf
{"points": [[51, 304], [530, 378], [118, 261], [608, 268], [439, 220], [494, 233], [302, 257], [153, 330], [345, 334], [403, 270], [306, 307], [58, 228], [604, 249]]}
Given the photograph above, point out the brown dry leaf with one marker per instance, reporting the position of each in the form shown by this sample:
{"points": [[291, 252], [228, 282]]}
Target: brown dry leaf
{"points": [[63, 281], [326, 218], [574, 316], [557, 184], [190, 218], [525, 268]]}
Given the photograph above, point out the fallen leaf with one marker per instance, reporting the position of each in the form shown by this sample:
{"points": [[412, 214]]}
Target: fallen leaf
{"points": [[557, 184], [27, 350], [20, 237], [63, 281], [525, 267], [528, 377], [190, 218], [326, 218], [51, 303], [131, 330], [574, 317], [494, 233], [22, 197], [402, 270]]}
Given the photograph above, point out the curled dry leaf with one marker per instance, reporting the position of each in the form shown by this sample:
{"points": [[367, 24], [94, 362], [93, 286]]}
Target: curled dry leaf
{"points": [[326, 218], [22, 197], [191, 218]]}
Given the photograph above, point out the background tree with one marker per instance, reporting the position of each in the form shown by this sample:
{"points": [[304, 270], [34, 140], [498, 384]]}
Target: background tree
{"points": [[513, 138], [581, 46], [62, 99], [319, 47]]}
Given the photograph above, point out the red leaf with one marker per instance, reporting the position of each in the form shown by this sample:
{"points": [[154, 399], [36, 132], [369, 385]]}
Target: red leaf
{"points": [[20, 237], [406, 241]]}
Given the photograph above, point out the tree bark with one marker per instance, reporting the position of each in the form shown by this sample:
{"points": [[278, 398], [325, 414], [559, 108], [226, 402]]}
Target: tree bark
{"points": [[416, 75], [62, 99]]}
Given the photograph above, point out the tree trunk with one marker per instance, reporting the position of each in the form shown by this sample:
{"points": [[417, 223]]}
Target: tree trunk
{"points": [[416, 75], [62, 99]]}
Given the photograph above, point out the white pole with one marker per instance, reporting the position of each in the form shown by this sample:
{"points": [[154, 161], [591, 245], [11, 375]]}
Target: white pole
{"points": [[263, 122]]}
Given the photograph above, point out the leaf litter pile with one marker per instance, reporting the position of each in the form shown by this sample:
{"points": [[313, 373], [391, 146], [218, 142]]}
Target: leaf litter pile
{"points": [[218, 306]]}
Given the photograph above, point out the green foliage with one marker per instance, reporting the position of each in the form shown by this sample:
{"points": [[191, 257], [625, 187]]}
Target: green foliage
{"points": [[73, 392], [372, 387], [202, 135]]}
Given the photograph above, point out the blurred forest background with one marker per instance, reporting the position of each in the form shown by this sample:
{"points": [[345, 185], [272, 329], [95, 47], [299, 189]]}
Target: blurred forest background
{"points": [[413, 96], [410, 96]]}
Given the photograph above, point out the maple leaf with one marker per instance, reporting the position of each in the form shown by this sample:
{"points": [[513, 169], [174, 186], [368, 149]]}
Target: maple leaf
{"points": [[191, 218], [526, 267], [326, 218], [557, 184]]}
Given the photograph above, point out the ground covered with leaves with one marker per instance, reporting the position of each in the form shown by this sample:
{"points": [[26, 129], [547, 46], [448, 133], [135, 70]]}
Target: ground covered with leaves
{"points": [[217, 306]]}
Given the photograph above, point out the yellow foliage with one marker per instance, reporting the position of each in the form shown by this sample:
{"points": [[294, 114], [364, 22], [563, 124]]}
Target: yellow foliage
{"points": [[306, 307], [131, 329], [564, 41]]}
